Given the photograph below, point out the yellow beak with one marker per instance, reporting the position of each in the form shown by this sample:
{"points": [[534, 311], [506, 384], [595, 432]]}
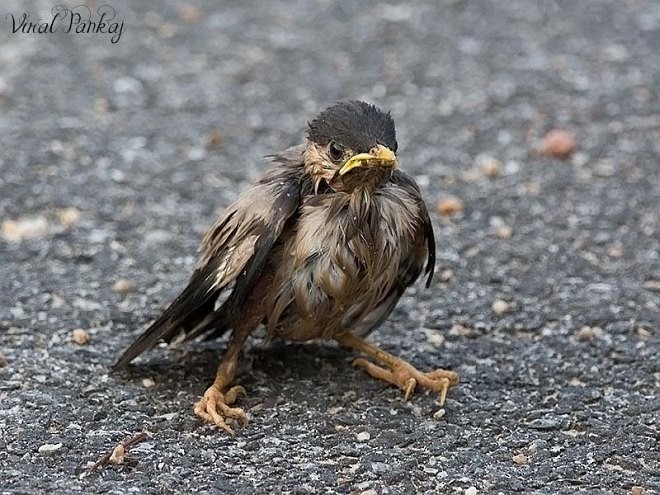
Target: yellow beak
{"points": [[379, 155]]}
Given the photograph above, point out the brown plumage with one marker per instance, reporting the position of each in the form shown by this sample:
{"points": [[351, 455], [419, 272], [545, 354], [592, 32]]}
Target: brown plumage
{"points": [[322, 246]]}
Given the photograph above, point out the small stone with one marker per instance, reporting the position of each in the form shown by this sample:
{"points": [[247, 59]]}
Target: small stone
{"points": [[460, 330], [118, 455], [587, 333], [446, 275], [520, 459], [190, 14], [148, 382], [69, 217], [652, 285], [123, 286], [471, 491], [363, 436], [196, 153], [504, 232], [434, 337], [558, 143], [440, 413], [615, 250], [370, 491], [637, 490], [642, 333], [80, 336], [449, 206], [24, 228], [101, 106], [213, 139], [500, 307], [491, 167], [49, 448]]}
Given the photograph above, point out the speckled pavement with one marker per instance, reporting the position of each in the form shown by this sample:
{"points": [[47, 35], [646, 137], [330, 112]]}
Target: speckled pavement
{"points": [[115, 157]]}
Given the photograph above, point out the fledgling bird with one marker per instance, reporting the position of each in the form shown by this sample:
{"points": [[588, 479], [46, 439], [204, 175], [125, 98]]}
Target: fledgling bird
{"points": [[322, 247]]}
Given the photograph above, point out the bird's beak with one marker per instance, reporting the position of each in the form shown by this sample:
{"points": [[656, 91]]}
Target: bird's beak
{"points": [[379, 155]]}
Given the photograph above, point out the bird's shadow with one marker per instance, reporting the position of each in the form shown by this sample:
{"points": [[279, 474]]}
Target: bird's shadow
{"points": [[275, 367]]}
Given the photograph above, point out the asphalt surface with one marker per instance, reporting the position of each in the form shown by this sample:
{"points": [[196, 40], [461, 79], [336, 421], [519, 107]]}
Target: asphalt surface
{"points": [[114, 158]]}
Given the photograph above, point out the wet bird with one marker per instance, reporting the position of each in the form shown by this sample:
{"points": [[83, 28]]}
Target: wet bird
{"points": [[322, 247]]}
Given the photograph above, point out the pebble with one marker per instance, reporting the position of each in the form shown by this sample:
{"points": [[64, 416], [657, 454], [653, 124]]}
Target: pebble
{"points": [[190, 14], [363, 436], [471, 491], [24, 228], [652, 285], [80, 336], [500, 307], [450, 206], [123, 286], [491, 167], [148, 382], [118, 454], [213, 139], [642, 333], [460, 330], [558, 143], [49, 448], [440, 413], [587, 333], [520, 459], [69, 217], [504, 232]]}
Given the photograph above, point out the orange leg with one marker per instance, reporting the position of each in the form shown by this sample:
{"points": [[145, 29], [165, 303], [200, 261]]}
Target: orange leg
{"points": [[214, 407], [397, 371]]}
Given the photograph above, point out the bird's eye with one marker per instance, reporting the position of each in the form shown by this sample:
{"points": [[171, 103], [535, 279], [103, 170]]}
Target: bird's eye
{"points": [[335, 151]]}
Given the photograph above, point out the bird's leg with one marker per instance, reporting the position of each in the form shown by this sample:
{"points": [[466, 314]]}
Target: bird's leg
{"points": [[397, 371], [215, 406]]}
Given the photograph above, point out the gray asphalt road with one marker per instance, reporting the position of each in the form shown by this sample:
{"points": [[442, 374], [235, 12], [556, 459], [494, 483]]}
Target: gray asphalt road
{"points": [[115, 157]]}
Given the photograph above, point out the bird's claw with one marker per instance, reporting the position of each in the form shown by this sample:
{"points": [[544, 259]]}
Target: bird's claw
{"points": [[411, 383], [407, 377], [215, 408]]}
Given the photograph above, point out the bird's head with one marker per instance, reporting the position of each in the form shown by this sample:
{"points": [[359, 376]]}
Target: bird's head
{"points": [[351, 145]]}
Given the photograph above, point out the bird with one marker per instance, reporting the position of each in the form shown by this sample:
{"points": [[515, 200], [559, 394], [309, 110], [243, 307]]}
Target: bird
{"points": [[321, 247]]}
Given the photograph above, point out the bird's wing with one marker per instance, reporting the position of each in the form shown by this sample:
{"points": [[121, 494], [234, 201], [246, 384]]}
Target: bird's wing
{"points": [[423, 251], [426, 237], [234, 252]]}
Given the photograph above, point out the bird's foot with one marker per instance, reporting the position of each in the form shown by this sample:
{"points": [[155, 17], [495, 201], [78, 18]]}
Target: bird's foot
{"points": [[407, 377], [397, 371], [215, 407]]}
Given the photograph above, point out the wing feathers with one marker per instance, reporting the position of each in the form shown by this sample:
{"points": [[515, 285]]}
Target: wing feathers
{"points": [[235, 249], [197, 297]]}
